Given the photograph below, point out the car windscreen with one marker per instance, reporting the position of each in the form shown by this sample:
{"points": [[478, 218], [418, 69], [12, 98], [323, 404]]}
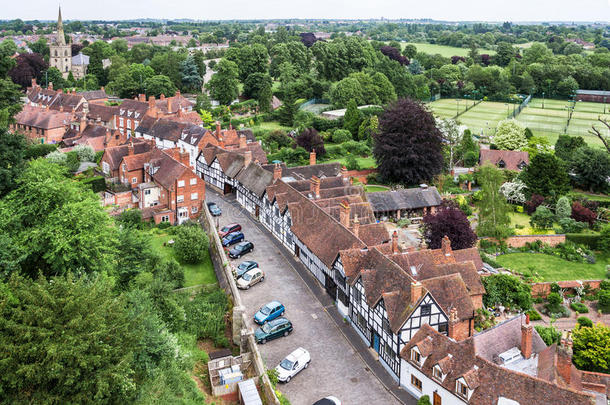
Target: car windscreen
{"points": [[286, 364], [225, 229], [247, 276], [265, 310], [243, 266], [266, 328]]}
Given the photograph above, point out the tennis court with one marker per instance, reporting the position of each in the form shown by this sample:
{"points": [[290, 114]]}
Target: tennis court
{"points": [[484, 117], [449, 107]]}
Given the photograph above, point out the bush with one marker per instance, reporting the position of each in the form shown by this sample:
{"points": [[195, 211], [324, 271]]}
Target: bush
{"points": [[357, 148], [604, 301], [563, 208], [170, 271], [589, 240], [34, 151], [205, 315], [341, 135], [534, 202], [97, 184], [323, 124], [579, 307], [85, 153], [487, 259], [191, 243], [548, 334], [569, 225], [542, 218], [131, 218], [507, 290], [424, 400], [603, 242], [351, 163], [604, 285], [471, 158], [584, 322], [554, 302]]}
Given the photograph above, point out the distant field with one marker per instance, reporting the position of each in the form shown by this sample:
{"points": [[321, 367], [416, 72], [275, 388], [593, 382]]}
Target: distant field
{"points": [[444, 50], [483, 117]]}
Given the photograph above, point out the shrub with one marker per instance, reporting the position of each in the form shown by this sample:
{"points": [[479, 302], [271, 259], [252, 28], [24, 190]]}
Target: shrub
{"points": [[604, 285], [563, 208], [603, 242], [404, 222], [131, 218], [554, 302], [37, 150], [542, 218], [57, 157], [583, 214], [534, 315], [569, 225], [191, 243], [85, 153], [534, 202], [589, 240], [604, 301], [471, 158], [424, 400], [341, 135], [97, 183], [205, 315], [351, 163], [579, 307], [357, 148], [548, 334], [72, 161], [507, 290], [584, 322], [170, 271]]}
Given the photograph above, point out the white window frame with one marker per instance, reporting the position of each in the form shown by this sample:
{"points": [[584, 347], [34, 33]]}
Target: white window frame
{"points": [[194, 209], [193, 181], [134, 180], [165, 218], [121, 123], [180, 198], [194, 196], [180, 183]]}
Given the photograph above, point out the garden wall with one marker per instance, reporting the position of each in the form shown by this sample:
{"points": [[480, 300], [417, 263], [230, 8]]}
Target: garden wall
{"points": [[542, 290], [517, 241], [360, 175], [598, 382]]}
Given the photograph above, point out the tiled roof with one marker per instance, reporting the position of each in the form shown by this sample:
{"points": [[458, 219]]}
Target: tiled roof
{"points": [[307, 172], [257, 152], [114, 154], [255, 178], [511, 158], [104, 112], [80, 59], [450, 292], [46, 119], [136, 162], [67, 102], [93, 94], [231, 163], [164, 169], [409, 198], [135, 107]]}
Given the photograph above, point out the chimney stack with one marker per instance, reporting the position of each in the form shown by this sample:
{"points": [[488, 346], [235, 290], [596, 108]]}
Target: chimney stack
{"points": [[177, 93], [343, 172], [218, 135], [314, 187], [162, 96], [33, 82], [526, 337], [344, 213], [564, 363], [453, 320], [107, 136], [247, 158], [185, 158], [356, 227], [312, 158], [50, 86], [142, 97], [151, 102], [446, 246], [417, 290], [277, 172], [130, 148], [242, 141], [395, 243], [102, 88]]}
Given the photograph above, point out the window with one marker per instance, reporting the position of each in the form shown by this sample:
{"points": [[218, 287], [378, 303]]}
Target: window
{"points": [[193, 181], [388, 351], [361, 321], [134, 180], [147, 192], [415, 356], [165, 218], [357, 295], [425, 309], [129, 124], [501, 164], [461, 389], [121, 122], [443, 327], [437, 373], [106, 167], [416, 382], [386, 326], [180, 198], [180, 183], [194, 196], [135, 124], [194, 209]]}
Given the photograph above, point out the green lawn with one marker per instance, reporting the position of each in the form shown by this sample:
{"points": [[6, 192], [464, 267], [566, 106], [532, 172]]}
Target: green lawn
{"points": [[444, 50], [364, 162], [517, 218], [551, 268], [194, 274], [373, 188]]}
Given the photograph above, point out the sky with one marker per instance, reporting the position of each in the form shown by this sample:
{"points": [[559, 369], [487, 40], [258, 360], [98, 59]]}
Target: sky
{"points": [[448, 10]]}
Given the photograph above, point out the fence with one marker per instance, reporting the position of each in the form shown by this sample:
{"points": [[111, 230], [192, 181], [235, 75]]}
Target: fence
{"points": [[520, 108], [467, 108], [314, 101]]}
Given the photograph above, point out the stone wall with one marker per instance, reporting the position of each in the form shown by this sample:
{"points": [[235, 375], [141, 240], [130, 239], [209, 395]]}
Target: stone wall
{"points": [[542, 290]]}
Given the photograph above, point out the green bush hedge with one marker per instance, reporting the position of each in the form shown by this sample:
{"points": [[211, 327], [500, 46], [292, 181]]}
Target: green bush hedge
{"points": [[534, 315], [579, 307], [97, 184], [584, 322], [323, 124], [590, 240]]}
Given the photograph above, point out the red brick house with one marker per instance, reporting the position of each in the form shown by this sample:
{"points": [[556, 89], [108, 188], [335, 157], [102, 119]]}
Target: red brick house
{"points": [[42, 125], [514, 160], [112, 157]]}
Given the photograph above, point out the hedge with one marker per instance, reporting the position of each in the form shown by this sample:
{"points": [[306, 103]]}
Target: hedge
{"points": [[579, 307], [324, 124], [587, 239], [97, 183]]}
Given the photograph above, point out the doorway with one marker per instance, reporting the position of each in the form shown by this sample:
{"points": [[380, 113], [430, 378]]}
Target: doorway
{"points": [[436, 399]]}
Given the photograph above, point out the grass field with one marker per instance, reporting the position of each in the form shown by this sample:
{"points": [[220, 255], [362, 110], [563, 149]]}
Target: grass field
{"points": [[194, 274], [484, 117], [444, 50], [523, 221], [449, 107], [364, 162], [552, 268]]}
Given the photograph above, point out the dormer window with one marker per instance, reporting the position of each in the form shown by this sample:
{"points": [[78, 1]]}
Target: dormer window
{"points": [[461, 389], [437, 373], [521, 165], [415, 357], [501, 164]]}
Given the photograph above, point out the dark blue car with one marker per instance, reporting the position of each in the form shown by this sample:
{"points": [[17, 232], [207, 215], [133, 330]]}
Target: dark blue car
{"points": [[269, 312], [232, 238], [214, 209], [244, 267]]}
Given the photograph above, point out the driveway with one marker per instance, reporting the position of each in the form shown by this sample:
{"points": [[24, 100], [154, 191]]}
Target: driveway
{"points": [[336, 368]]}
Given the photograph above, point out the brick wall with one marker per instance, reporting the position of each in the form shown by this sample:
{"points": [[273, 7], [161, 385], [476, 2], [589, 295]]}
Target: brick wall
{"points": [[520, 240], [598, 382], [544, 289], [360, 175]]}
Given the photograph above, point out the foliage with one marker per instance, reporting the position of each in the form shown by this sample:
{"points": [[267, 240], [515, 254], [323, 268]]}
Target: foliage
{"points": [[191, 77], [546, 175], [494, 219], [471, 158], [424, 400], [542, 218], [566, 145], [191, 243], [341, 135], [514, 191], [484, 319], [604, 239], [563, 208], [510, 135], [223, 85], [534, 202], [579, 307], [591, 168], [534, 315], [583, 214], [368, 128], [310, 140], [206, 316], [131, 218], [591, 347], [352, 118], [549, 334], [85, 153], [452, 138], [28, 66], [569, 225], [287, 112], [36, 150], [351, 163], [506, 290], [158, 85], [584, 322], [10, 100], [408, 145], [450, 221], [604, 301], [12, 150]]}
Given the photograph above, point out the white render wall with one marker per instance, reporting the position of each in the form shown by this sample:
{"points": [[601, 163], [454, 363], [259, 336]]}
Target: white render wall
{"points": [[429, 386]]}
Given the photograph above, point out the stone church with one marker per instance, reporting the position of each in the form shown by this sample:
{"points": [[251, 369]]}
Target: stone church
{"points": [[60, 55]]}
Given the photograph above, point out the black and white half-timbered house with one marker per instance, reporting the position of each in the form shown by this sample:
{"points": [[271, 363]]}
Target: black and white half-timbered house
{"points": [[219, 167]]}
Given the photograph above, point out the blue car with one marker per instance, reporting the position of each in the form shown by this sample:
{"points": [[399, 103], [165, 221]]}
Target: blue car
{"points": [[232, 238], [244, 267], [269, 312], [214, 209]]}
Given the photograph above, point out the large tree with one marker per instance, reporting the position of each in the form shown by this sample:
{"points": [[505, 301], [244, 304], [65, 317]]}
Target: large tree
{"points": [[12, 148], [408, 145], [311, 141], [159, 84], [546, 175], [592, 169], [352, 118], [494, 219], [566, 145], [224, 84], [29, 66], [448, 221]]}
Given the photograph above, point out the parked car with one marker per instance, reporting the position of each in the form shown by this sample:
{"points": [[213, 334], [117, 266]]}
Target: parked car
{"points": [[249, 278], [214, 209], [328, 401], [244, 267], [241, 249], [225, 230], [293, 364], [269, 312], [232, 238], [272, 330]]}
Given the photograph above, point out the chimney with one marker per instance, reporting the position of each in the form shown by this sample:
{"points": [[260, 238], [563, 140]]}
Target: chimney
{"points": [[395, 243], [83, 122], [247, 158], [59, 91], [61, 108], [179, 112], [130, 148], [312, 158], [314, 187], [169, 105], [33, 82], [142, 97], [526, 337], [564, 363], [277, 172], [344, 172], [242, 141], [453, 320], [356, 226], [446, 246], [50, 86], [185, 158], [151, 102], [218, 134], [162, 97], [417, 290], [107, 136], [344, 213]]}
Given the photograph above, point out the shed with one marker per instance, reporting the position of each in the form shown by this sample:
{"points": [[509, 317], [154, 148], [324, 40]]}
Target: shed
{"points": [[248, 394]]}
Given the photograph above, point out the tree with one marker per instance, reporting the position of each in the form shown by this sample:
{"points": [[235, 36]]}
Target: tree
{"points": [[424, 400], [12, 149], [134, 255], [549, 334], [542, 218], [583, 214], [287, 112], [494, 219], [504, 53], [408, 145], [448, 221], [131, 218], [563, 208], [591, 347], [310, 140], [604, 239], [10, 101], [566, 145], [191, 243], [452, 136], [592, 169], [191, 78], [29, 66], [546, 175], [534, 202], [159, 84], [510, 135], [410, 51], [353, 118], [368, 128], [224, 84], [506, 290], [65, 340], [600, 133], [513, 191], [341, 135]]}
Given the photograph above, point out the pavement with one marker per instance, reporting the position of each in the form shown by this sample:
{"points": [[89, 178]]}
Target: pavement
{"points": [[341, 364]]}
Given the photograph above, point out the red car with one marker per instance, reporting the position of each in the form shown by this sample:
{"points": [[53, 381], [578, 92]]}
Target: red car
{"points": [[225, 230]]}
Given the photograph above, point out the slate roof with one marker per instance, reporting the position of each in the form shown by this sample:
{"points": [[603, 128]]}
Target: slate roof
{"points": [[114, 154], [511, 158], [231, 163], [307, 172], [405, 199], [135, 107], [80, 59], [255, 178], [46, 119]]}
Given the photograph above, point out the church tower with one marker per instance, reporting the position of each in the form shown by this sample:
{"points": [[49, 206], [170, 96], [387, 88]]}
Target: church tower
{"points": [[60, 52]]}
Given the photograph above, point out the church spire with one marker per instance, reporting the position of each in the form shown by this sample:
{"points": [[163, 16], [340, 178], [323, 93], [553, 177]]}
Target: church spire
{"points": [[61, 39]]}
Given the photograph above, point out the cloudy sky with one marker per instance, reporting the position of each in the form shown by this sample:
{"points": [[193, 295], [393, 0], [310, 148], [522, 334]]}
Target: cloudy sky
{"points": [[480, 10]]}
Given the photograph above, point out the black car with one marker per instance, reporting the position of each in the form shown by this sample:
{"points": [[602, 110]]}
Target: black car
{"points": [[244, 267], [241, 249], [214, 209]]}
